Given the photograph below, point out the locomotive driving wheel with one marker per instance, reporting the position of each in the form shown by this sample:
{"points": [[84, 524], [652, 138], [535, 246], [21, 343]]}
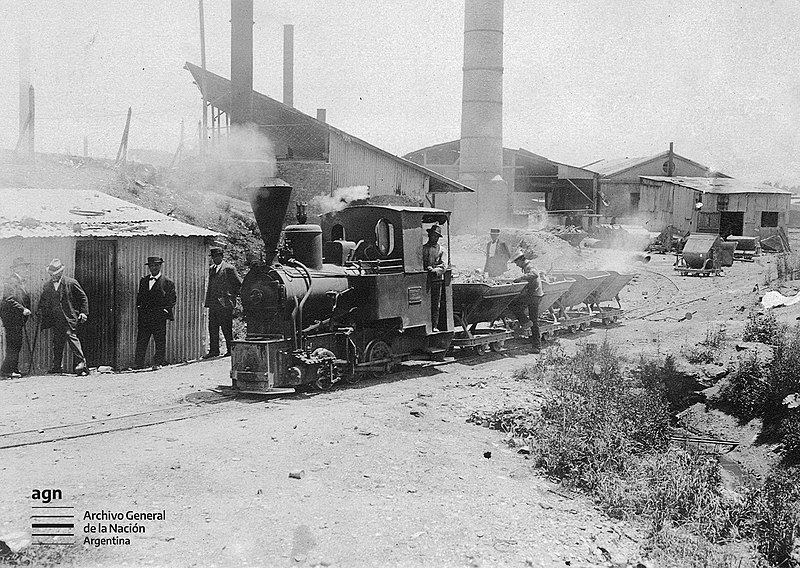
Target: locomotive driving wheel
{"points": [[379, 350]]}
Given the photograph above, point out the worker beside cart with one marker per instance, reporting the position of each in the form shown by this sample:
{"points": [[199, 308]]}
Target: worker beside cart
{"points": [[529, 298]]}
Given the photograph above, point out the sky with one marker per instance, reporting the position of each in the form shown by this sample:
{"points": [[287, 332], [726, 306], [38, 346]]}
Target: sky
{"points": [[583, 79]]}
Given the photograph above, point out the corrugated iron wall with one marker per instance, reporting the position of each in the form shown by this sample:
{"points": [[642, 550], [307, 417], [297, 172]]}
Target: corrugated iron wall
{"points": [[354, 164], [186, 264], [39, 252]]}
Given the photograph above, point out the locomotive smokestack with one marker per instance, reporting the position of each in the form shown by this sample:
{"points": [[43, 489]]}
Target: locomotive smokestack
{"points": [[481, 161], [241, 61], [270, 201]]}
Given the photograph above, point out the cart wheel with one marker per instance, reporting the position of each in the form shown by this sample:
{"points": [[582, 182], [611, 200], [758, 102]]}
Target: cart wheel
{"points": [[497, 346], [323, 383], [480, 349]]}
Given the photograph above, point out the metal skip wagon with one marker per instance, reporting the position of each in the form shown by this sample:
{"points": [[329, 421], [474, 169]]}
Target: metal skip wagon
{"points": [[570, 305], [609, 292], [476, 303], [548, 318]]}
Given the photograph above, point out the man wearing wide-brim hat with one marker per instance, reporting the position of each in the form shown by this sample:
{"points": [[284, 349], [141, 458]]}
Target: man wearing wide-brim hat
{"points": [[223, 287], [434, 265], [155, 304], [529, 298], [63, 306], [15, 307]]}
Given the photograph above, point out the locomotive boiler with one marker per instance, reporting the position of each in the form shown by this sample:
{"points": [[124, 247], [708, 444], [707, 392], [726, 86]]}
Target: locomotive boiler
{"points": [[339, 300]]}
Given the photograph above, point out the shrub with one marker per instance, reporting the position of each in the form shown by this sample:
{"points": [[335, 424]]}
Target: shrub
{"points": [[762, 328], [747, 390], [594, 419], [771, 516], [675, 488]]}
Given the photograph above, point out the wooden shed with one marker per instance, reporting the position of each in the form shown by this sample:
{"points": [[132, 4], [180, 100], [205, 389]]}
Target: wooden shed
{"points": [[619, 178], [723, 205], [104, 243]]}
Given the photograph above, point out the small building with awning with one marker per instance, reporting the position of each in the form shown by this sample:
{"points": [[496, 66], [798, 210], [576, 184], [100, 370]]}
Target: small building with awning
{"points": [[713, 205], [316, 158]]}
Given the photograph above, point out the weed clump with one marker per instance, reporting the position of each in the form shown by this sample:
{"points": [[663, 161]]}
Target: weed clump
{"points": [[595, 419], [762, 328], [707, 350]]}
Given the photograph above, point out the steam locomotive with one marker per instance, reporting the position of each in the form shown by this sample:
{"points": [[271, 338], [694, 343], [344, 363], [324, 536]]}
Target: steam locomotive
{"points": [[339, 300]]}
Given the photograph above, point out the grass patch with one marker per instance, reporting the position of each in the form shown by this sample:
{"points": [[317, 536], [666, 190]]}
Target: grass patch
{"points": [[605, 430]]}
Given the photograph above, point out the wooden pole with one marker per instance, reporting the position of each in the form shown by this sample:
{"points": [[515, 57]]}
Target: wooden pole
{"points": [[179, 150], [31, 121], [122, 153], [204, 137]]}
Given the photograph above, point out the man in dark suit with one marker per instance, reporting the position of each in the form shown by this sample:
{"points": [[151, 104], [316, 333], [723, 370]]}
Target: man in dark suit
{"points": [[434, 265], [497, 255], [223, 287], [155, 302], [15, 308], [63, 306]]}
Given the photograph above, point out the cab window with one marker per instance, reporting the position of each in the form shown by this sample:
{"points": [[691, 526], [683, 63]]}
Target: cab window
{"points": [[384, 237]]}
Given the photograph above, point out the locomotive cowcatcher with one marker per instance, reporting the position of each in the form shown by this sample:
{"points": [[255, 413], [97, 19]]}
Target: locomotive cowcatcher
{"points": [[341, 300]]}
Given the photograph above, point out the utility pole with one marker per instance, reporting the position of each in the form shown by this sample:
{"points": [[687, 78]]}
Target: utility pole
{"points": [[204, 132], [122, 153]]}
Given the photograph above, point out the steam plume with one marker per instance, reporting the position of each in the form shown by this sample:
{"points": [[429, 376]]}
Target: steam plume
{"points": [[340, 198]]}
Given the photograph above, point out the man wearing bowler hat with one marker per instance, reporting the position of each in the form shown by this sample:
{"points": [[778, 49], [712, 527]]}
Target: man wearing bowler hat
{"points": [[434, 265], [155, 302], [15, 308], [63, 306], [497, 255], [223, 287]]}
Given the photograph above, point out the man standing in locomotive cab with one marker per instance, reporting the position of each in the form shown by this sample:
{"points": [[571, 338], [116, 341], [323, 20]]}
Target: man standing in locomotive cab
{"points": [[223, 287], [530, 297], [433, 263], [155, 302]]}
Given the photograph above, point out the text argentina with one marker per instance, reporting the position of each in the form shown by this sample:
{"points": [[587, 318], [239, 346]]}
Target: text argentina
{"points": [[96, 542], [126, 516]]}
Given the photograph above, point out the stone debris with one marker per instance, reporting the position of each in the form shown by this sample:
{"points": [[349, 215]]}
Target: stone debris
{"points": [[297, 474]]}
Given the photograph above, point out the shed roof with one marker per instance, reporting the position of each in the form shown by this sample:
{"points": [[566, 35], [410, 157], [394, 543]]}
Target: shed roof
{"points": [[85, 213], [614, 166], [719, 185], [269, 113]]}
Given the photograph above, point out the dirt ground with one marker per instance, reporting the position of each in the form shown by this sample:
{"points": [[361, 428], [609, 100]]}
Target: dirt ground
{"points": [[390, 472]]}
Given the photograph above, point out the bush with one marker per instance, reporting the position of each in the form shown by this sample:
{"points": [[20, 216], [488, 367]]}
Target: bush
{"points": [[771, 516], [747, 390], [675, 488], [762, 328], [594, 419]]}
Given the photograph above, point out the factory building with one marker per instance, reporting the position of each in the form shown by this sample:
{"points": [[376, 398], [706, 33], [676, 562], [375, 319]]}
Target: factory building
{"points": [[316, 158], [619, 179], [720, 205], [534, 184], [104, 243]]}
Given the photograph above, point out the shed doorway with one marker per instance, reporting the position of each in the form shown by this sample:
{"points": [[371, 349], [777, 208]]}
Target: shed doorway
{"points": [[731, 223], [96, 270]]}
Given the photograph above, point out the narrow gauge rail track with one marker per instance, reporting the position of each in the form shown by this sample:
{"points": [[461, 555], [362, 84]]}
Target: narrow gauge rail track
{"points": [[205, 403], [184, 411]]}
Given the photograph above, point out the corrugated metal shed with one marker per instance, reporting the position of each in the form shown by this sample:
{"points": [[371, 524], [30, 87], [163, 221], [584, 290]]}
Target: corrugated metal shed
{"points": [[720, 185], [104, 242], [70, 212]]}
